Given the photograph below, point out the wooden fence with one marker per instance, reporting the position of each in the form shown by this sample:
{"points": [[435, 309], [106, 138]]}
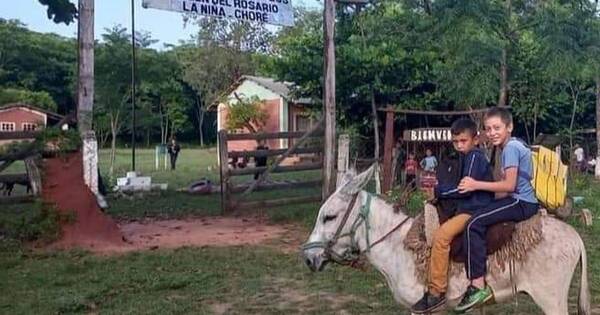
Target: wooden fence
{"points": [[229, 202], [32, 177]]}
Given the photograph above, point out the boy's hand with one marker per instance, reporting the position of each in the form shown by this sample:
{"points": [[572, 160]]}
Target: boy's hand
{"points": [[467, 184]]}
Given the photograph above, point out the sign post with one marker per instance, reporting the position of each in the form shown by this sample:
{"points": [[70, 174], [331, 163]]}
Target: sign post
{"points": [[277, 12]]}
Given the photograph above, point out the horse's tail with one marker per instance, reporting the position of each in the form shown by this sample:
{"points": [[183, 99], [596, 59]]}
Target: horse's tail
{"points": [[583, 299]]}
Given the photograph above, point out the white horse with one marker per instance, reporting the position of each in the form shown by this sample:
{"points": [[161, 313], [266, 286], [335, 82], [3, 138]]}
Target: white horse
{"points": [[353, 222]]}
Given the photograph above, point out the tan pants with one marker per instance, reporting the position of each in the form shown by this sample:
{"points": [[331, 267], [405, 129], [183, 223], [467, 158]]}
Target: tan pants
{"points": [[440, 252]]}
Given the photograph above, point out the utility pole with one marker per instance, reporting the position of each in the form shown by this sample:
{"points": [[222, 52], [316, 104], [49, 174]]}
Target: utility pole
{"points": [[133, 85], [329, 156], [85, 79], [329, 98]]}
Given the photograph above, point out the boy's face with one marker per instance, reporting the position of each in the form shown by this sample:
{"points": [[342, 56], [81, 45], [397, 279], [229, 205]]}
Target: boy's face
{"points": [[464, 141], [428, 152], [497, 131]]}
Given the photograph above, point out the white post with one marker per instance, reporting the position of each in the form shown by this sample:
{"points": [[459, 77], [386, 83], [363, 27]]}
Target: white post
{"points": [[166, 158], [343, 157], [156, 157], [90, 160]]}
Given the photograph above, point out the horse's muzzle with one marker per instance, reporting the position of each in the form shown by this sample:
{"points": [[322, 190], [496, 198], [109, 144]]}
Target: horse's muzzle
{"points": [[314, 259]]}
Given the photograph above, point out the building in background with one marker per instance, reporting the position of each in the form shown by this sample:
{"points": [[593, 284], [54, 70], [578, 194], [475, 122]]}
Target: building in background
{"points": [[286, 113]]}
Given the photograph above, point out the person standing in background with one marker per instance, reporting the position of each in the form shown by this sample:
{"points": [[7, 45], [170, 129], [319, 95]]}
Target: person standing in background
{"points": [[579, 158], [173, 148]]}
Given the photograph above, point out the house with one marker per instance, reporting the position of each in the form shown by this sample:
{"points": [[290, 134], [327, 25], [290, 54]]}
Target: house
{"points": [[20, 121], [286, 113]]}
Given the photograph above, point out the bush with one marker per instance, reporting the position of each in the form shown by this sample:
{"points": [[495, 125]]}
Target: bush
{"points": [[39, 223]]}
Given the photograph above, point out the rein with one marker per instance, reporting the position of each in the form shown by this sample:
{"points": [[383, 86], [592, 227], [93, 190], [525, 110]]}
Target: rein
{"points": [[350, 256]]}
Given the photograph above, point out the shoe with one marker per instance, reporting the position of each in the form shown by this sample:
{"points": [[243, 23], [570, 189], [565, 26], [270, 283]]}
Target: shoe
{"points": [[474, 297], [429, 303]]}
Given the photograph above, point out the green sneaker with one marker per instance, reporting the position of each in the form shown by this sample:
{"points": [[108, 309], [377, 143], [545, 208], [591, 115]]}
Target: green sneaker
{"points": [[474, 297]]}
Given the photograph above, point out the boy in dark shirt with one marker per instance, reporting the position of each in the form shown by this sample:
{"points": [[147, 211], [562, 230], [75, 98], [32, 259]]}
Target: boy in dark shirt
{"points": [[475, 165]]}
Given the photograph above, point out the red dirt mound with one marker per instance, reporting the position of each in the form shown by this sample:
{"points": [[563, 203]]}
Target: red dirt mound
{"points": [[63, 186]]}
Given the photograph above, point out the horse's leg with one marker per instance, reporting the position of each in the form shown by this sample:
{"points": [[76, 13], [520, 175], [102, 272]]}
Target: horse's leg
{"points": [[548, 283]]}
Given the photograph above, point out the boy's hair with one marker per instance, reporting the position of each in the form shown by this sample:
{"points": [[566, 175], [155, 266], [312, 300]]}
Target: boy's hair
{"points": [[503, 113], [464, 125]]}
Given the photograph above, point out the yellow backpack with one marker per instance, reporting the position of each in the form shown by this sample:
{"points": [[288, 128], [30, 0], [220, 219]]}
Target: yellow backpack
{"points": [[549, 177]]}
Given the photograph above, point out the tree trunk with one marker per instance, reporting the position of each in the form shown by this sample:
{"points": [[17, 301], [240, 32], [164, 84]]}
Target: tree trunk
{"points": [[536, 109], [85, 80], [148, 137], [329, 98], [574, 98], [503, 98], [200, 113], [376, 135], [113, 148], [597, 169], [114, 130], [525, 124]]}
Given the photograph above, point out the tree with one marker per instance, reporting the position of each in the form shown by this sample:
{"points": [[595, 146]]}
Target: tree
{"points": [[224, 51], [42, 100], [248, 113], [38, 62], [112, 84]]}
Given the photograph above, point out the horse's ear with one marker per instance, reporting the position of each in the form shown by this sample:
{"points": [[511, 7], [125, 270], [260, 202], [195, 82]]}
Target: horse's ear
{"points": [[345, 178], [358, 182]]}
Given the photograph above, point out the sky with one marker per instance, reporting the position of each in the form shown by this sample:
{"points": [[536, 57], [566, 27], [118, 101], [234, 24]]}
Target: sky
{"points": [[167, 27]]}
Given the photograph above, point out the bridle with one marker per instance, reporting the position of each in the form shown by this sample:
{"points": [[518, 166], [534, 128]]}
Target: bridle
{"points": [[352, 254]]}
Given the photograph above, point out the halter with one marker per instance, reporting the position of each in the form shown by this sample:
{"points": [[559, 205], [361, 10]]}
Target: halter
{"points": [[352, 254]]}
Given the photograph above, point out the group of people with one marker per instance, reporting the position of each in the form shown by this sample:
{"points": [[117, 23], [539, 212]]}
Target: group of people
{"points": [[482, 202], [428, 164]]}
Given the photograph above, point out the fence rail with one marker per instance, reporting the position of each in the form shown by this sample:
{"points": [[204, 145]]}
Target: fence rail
{"points": [[229, 203]]}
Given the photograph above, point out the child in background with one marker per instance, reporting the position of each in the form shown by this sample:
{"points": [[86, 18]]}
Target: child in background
{"points": [[429, 163], [410, 168]]}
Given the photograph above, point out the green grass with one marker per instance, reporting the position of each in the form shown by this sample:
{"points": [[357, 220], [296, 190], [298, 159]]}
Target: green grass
{"points": [[233, 280]]}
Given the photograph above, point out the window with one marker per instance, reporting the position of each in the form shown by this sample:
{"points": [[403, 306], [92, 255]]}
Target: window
{"points": [[7, 126], [29, 126]]}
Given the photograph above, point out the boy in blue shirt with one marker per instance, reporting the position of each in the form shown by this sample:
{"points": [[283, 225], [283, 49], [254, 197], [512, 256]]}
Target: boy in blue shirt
{"points": [[517, 201]]}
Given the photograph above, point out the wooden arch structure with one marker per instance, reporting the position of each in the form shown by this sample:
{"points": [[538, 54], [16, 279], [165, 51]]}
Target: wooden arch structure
{"points": [[388, 145]]}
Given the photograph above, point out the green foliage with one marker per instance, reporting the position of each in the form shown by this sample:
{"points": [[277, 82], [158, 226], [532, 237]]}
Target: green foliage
{"points": [[42, 100], [38, 222], [38, 62], [247, 113], [59, 141]]}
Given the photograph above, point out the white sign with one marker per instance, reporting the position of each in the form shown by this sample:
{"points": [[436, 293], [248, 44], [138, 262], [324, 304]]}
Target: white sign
{"points": [[428, 135], [278, 12]]}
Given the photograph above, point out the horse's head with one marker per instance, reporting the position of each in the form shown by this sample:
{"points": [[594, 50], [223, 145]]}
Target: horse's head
{"points": [[333, 237]]}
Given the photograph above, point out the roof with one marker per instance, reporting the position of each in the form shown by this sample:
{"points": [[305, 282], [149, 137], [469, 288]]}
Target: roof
{"points": [[281, 88], [51, 115]]}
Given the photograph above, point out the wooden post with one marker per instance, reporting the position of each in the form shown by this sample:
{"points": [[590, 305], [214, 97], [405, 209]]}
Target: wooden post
{"points": [[224, 161], [343, 156], [387, 150], [35, 177], [329, 98], [85, 80]]}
